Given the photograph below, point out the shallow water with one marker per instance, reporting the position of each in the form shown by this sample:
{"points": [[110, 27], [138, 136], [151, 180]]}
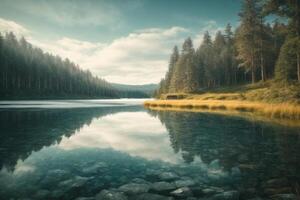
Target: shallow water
{"points": [[70, 149]]}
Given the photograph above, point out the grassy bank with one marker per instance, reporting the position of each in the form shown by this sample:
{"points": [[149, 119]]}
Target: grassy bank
{"points": [[261, 99]]}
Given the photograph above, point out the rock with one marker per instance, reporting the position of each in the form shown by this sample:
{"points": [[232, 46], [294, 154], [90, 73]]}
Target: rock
{"points": [[235, 171], [135, 188], [212, 190], [110, 195], [139, 180], [168, 176], [284, 197], [76, 182], [184, 183], [247, 167], [215, 165], [228, 195], [96, 168], [276, 183], [182, 192], [85, 198], [149, 196], [273, 191], [42, 194], [57, 194], [256, 198], [163, 186], [55, 176], [243, 158]]}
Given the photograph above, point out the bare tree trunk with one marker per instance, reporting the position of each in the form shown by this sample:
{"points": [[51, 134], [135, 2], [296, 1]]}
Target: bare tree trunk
{"points": [[298, 38], [262, 67], [253, 77], [298, 66]]}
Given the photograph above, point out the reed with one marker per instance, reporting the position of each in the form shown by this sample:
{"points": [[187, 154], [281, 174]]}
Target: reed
{"points": [[272, 110]]}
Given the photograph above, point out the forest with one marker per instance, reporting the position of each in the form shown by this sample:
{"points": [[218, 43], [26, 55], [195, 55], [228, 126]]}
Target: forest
{"points": [[265, 46], [29, 73]]}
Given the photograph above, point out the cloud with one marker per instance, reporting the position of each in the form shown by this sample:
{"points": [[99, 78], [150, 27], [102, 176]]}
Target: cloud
{"points": [[151, 142], [11, 26], [140, 57]]}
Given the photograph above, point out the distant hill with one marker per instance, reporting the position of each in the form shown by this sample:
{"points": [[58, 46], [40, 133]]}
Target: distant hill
{"points": [[138, 91]]}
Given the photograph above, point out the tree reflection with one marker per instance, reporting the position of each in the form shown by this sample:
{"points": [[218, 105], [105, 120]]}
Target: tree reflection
{"points": [[26, 130]]}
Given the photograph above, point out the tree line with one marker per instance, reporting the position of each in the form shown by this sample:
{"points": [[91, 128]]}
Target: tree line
{"points": [[256, 50], [28, 72]]}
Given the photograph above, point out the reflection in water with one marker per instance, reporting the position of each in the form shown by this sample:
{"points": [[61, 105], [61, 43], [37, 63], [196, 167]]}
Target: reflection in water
{"points": [[135, 133], [67, 153], [24, 131]]}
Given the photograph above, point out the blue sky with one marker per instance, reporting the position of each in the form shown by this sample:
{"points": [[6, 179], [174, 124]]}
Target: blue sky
{"points": [[124, 41]]}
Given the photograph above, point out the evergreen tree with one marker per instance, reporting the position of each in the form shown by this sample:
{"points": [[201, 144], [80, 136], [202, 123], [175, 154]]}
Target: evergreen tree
{"points": [[289, 9], [170, 75], [28, 72], [247, 40]]}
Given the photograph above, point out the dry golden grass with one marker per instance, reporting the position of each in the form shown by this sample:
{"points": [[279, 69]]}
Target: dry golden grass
{"points": [[271, 110]]}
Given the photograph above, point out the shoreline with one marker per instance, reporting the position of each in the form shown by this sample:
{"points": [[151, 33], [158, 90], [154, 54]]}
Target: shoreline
{"points": [[278, 111]]}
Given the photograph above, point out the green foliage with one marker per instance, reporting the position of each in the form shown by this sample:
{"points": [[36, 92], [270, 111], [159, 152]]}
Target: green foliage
{"points": [[28, 72], [286, 66], [253, 49]]}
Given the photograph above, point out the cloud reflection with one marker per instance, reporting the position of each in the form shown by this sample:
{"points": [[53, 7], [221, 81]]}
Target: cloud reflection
{"points": [[135, 133]]}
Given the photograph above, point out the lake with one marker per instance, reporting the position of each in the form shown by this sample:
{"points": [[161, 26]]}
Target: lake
{"points": [[116, 149]]}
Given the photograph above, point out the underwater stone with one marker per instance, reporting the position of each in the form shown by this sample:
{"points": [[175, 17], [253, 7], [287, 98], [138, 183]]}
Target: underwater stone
{"points": [[163, 186], [149, 196], [184, 183], [228, 195], [110, 195], [182, 192], [134, 188], [168, 176], [284, 197]]}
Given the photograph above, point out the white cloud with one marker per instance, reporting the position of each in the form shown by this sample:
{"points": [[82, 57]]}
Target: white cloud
{"points": [[11, 26], [153, 145], [140, 57]]}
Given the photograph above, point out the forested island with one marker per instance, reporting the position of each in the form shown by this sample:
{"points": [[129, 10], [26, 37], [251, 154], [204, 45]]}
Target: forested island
{"points": [[29, 73], [258, 61]]}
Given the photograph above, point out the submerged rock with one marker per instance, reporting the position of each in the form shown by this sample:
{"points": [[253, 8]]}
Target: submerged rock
{"points": [[228, 195], [149, 196], [135, 188], [96, 168], [110, 195], [182, 192], [42, 194], [139, 180], [184, 183], [168, 176], [284, 197], [276, 183], [85, 198], [212, 190], [163, 186], [76, 182]]}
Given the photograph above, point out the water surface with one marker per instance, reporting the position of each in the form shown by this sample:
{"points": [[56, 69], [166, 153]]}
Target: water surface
{"points": [[70, 149]]}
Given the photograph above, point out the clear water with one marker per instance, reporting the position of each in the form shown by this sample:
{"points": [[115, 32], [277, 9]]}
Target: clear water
{"points": [[71, 149]]}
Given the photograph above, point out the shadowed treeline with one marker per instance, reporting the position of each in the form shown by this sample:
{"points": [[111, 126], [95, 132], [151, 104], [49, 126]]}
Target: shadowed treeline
{"points": [[259, 151], [26, 130]]}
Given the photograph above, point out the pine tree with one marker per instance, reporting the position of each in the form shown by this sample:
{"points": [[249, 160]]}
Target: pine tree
{"points": [[247, 40], [170, 75], [289, 9]]}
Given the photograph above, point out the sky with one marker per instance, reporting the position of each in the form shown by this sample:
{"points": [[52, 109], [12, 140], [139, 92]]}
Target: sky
{"points": [[123, 41]]}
